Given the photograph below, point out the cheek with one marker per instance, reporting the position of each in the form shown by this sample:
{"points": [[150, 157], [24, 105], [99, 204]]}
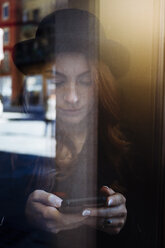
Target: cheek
{"points": [[59, 97], [89, 98]]}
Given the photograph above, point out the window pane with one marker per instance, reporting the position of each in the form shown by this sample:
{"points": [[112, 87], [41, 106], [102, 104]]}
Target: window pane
{"points": [[78, 88], [5, 10]]}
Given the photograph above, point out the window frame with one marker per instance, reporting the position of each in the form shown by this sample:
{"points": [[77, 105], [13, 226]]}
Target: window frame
{"points": [[6, 31], [4, 5]]}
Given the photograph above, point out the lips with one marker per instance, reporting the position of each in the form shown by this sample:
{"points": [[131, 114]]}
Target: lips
{"points": [[71, 111]]}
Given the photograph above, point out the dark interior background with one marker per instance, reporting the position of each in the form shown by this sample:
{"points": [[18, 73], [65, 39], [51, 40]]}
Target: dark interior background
{"points": [[138, 26]]}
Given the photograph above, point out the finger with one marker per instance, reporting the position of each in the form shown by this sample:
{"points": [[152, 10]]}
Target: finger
{"points": [[47, 217], [111, 230], [113, 222], [37, 213], [117, 211], [115, 200], [46, 198], [105, 190], [65, 222], [112, 225], [44, 212], [65, 219], [64, 226], [74, 219]]}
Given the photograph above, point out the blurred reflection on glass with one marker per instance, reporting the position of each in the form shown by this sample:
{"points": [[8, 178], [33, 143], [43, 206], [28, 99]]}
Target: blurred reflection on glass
{"points": [[40, 106], [22, 124], [64, 70]]}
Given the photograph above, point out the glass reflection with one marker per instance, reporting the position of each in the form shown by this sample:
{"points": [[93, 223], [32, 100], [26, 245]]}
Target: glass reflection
{"points": [[68, 78], [23, 123]]}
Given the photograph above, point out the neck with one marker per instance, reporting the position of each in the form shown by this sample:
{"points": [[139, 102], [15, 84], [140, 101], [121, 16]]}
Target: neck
{"points": [[73, 129], [77, 133]]}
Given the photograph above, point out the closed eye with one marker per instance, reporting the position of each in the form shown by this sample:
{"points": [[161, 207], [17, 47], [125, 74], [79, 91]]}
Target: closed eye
{"points": [[59, 82], [85, 78], [55, 77]]}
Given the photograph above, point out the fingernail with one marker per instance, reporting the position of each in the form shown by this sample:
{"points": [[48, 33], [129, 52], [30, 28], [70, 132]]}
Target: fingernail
{"points": [[54, 201], [108, 222], [106, 187], [86, 212], [110, 202]]}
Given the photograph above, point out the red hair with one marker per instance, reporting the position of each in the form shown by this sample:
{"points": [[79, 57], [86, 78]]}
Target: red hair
{"points": [[111, 141]]}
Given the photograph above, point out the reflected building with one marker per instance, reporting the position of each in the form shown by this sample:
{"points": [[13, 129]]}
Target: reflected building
{"points": [[32, 13], [10, 78], [35, 88], [19, 21]]}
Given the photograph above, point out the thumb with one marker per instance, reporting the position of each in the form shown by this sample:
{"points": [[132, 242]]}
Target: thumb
{"points": [[54, 201], [106, 191], [46, 198]]}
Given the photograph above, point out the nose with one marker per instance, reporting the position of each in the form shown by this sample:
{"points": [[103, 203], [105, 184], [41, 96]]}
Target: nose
{"points": [[71, 95]]}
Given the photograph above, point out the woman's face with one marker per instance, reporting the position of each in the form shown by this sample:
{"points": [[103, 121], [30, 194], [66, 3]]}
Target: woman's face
{"points": [[74, 87]]}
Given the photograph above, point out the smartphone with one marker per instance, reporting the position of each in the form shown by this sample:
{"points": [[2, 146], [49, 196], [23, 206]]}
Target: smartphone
{"points": [[79, 204]]}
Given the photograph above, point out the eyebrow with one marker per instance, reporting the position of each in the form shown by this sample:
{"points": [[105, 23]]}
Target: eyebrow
{"points": [[84, 73], [55, 73]]}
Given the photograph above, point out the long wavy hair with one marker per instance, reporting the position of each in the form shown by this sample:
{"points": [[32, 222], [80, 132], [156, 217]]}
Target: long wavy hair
{"points": [[112, 144]]}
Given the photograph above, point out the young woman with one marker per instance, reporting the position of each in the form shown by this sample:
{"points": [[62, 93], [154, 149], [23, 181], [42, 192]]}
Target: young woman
{"points": [[91, 151]]}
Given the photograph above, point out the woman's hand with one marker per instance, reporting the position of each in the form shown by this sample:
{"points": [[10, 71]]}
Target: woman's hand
{"points": [[42, 211], [112, 217]]}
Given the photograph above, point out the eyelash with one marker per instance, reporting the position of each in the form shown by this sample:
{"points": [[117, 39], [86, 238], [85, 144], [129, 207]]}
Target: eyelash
{"points": [[82, 82], [85, 83]]}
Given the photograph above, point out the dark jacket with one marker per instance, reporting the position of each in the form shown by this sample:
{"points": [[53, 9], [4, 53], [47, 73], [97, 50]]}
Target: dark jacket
{"points": [[16, 232]]}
